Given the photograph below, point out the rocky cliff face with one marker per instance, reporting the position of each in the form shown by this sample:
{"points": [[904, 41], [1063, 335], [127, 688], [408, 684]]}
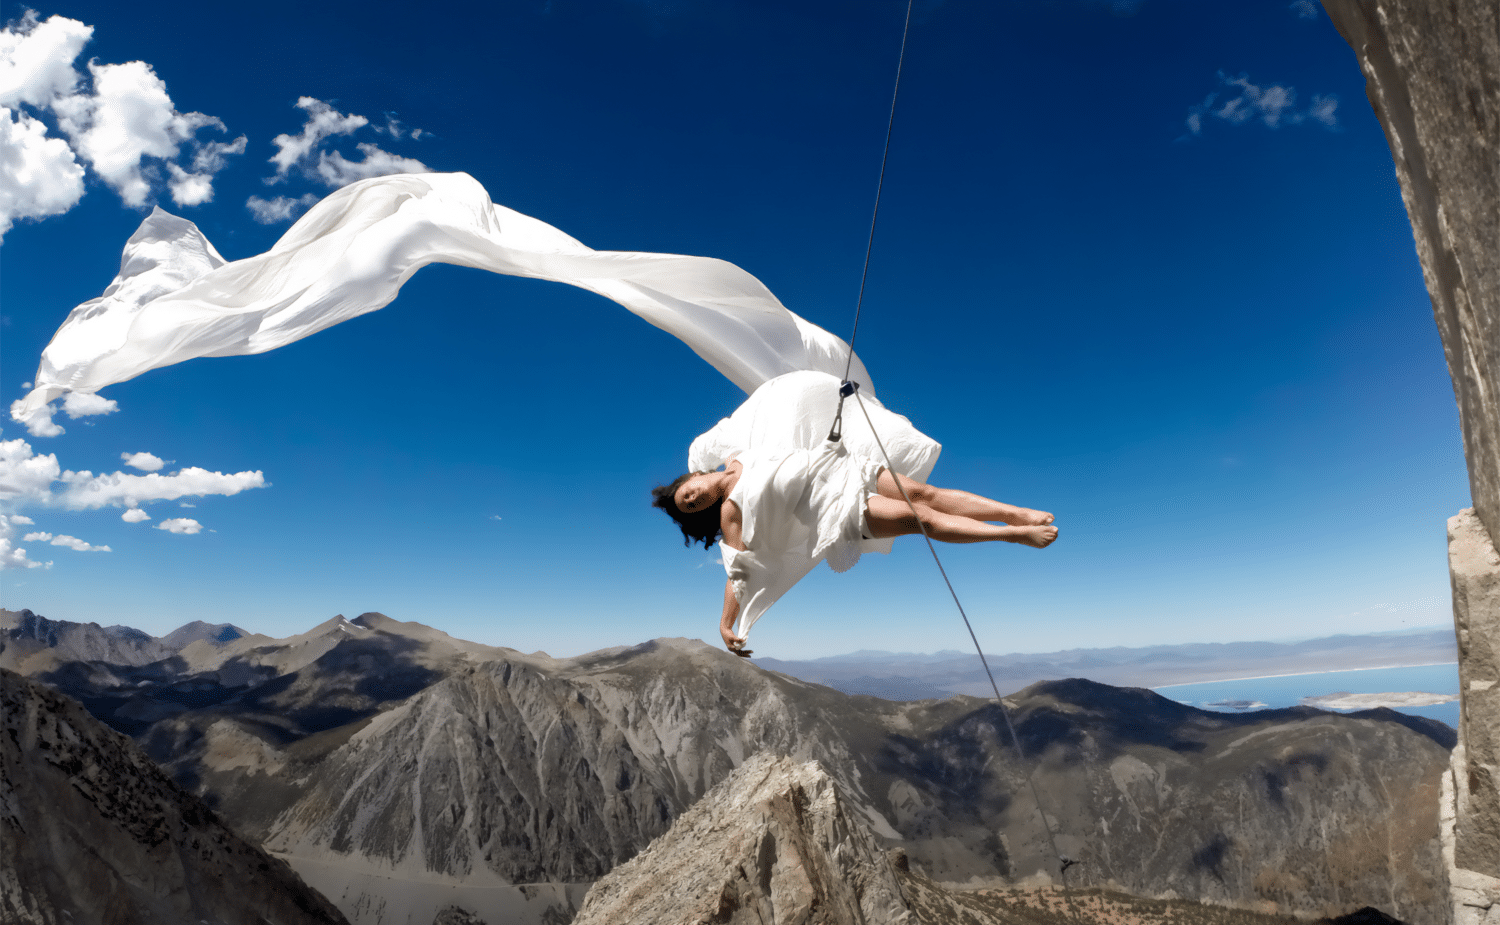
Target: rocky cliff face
{"points": [[1432, 75], [93, 831], [773, 842]]}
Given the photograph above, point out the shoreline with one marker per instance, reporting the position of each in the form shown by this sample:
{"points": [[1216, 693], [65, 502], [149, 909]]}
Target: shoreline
{"points": [[1294, 674]]}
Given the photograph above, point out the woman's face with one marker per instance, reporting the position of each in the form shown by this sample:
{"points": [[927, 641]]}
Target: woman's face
{"points": [[696, 494]]}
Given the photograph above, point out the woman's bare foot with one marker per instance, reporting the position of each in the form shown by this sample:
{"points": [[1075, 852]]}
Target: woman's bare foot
{"points": [[1026, 517], [1040, 535]]}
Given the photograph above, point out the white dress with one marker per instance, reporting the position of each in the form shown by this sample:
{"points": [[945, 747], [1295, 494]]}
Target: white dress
{"points": [[796, 506], [802, 499]]}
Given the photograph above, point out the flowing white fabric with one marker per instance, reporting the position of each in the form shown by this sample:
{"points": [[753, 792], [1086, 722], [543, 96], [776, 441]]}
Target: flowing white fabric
{"points": [[809, 495], [176, 298]]}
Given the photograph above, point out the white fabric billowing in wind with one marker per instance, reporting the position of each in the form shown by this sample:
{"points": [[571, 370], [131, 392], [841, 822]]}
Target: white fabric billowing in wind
{"points": [[801, 498], [176, 298]]}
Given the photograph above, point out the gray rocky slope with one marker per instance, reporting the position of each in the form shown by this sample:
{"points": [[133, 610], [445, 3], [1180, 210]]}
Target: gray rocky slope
{"points": [[773, 842], [393, 748], [91, 830]]}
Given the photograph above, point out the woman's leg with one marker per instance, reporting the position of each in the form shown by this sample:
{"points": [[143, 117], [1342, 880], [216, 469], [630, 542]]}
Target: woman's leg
{"points": [[890, 517], [962, 503]]}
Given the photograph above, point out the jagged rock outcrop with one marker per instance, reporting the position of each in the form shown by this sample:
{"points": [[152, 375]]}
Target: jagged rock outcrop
{"points": [[1471, 792], [92, 831], [1432, 75], [773, 842]]}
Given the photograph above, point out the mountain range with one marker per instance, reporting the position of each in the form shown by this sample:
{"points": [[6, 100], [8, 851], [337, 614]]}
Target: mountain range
{"points": [[916, 676], [401, 771]]}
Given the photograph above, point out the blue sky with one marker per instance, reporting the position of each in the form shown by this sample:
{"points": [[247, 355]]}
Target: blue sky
{"points": [[1144, 265]]}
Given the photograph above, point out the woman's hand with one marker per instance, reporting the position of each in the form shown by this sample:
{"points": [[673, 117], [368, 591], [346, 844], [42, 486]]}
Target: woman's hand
{"points": [[734, 643]]}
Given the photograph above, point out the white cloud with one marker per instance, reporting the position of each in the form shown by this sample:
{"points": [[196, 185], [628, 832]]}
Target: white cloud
{"points": [[180, 525], [12, 556], [280, 209], [395, 129], [36, 59], [1265, 103], [71, 542], [86, 491], [336, 170], [40, 423], [134, 515], [322, 121], [1305, 9], [1322, 110], [120, 121], [146, 462], [41, 176], [186, 504], [193, 188], [129, 118], [27, 479], [332, 168], [84, 404], [1272, 106]]}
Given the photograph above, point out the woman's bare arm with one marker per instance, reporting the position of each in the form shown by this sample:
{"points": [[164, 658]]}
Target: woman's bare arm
{"points": [[729, 524], [732, 642]]}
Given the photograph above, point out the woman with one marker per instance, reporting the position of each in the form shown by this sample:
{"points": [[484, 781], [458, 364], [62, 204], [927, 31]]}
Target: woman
{"points": [[772, 507]]}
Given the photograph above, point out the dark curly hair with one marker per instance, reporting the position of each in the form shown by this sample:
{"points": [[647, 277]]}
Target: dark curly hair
{"points": [[701, 526]]}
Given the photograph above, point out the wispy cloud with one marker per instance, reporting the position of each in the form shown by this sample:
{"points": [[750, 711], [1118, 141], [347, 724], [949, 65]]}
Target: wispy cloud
{"points": [[11, 555], [1272, 106], [280, 209], [1305, 9], [306, 153], [323, 121], [336, 170], [69, 542]]}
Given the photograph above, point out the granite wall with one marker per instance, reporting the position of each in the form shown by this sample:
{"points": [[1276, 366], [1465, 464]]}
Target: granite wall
{"points": [[1432, 74]]}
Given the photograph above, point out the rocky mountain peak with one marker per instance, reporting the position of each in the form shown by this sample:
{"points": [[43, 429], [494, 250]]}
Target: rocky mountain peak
{"points": [[774, 842]]}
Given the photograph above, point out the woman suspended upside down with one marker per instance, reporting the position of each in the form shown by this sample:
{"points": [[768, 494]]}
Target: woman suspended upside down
{"points": [[777, 510]]}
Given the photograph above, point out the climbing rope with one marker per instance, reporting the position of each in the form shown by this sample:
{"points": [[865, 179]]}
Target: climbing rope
{"points": [[1063, 861], [848, 388]]}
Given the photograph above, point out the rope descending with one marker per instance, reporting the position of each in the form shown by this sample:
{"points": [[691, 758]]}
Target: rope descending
{"points": [[848, 388]]}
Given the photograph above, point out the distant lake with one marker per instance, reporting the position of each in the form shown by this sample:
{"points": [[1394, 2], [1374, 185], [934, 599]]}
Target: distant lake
{"points": [[1288, 690]]}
